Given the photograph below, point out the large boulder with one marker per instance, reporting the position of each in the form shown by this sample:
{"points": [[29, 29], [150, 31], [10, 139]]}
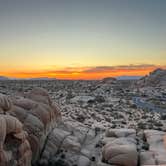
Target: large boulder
{"points": [[13, 139], [39, 95], [120, 147], [5, 103], [125, 155], [121, 133], [33, 116], [40, 117]]}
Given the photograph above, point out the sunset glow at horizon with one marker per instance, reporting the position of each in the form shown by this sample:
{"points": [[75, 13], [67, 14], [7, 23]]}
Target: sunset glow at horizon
{"points": [[88, 39], [86, 73]]}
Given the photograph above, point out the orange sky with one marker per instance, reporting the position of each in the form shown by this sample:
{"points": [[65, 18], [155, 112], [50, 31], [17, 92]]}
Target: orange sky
{"points": [[98, 72]]}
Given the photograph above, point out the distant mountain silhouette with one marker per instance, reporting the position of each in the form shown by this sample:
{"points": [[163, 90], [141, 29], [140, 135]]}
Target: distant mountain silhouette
{"points": [[128, 77], [38, 78], [42, 78], [4, 78], [109, 79]]}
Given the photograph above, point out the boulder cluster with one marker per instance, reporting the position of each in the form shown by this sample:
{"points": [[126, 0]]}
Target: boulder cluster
{"points": [[126, 147], [33, 132], [25, 122]]}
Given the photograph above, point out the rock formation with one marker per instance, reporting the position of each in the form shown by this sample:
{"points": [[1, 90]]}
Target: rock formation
{"points": [[25, 124], [155, 78], [14, 145]]}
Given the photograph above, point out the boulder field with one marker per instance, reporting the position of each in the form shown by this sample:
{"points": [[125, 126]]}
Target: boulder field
{"points": [[33, 132]]}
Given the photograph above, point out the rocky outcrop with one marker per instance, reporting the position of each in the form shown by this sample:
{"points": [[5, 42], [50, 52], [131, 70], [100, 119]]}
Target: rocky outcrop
{"points": [[155, 78], [26, 121], [14, 145], [72, 144]]}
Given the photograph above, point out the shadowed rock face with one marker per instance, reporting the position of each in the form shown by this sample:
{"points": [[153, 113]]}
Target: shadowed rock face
{"points": [[25, 123]]}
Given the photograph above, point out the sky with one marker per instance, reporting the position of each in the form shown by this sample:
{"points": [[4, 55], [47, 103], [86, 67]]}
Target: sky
{"points": [[81, 39]]}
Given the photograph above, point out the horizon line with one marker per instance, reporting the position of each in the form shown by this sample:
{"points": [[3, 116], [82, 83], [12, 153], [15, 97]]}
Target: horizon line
{"points": [[54, 78], [85, 73]]}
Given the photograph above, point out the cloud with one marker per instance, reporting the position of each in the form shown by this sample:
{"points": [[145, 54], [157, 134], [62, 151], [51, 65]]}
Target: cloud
{"points": [[120, 67]]}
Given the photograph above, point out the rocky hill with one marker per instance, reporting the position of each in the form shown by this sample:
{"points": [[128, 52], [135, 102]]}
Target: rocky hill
{"points": [[155, 78]]}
